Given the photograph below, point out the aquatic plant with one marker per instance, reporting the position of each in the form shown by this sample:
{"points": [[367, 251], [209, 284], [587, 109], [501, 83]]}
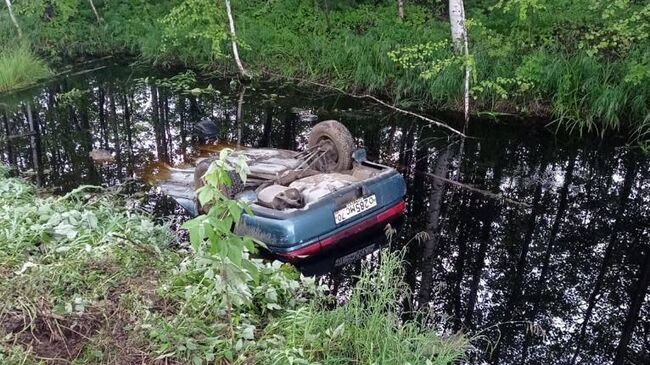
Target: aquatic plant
{"points": [[19, 67]]}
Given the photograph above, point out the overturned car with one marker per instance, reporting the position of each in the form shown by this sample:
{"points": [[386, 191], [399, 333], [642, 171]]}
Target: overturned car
{"points": [[305, 202]]}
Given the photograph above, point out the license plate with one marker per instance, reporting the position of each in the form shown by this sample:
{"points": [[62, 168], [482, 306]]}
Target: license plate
{"points": [[354, 208]]}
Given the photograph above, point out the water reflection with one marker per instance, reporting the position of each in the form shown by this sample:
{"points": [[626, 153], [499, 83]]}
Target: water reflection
{"points": [[562, 279]]}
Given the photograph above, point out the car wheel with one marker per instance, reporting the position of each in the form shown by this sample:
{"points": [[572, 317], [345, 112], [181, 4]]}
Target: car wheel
{"points": [[334, 144]]}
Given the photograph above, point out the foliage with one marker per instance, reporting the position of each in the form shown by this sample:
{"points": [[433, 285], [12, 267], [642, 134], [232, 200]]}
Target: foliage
{"points": [[195, 28], [69, 98], [215, 227], [75, 269], [224, 307], [62, 248], [582, 62], [19, 68], [619, 29], [64, 261], [367, 329], [430, 59], [226, 294]]}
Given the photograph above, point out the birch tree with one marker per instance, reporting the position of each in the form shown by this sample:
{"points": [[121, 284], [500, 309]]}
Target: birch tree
{"points": [[92, 5], [233, 40], [400, 9], [193, 26], [461, 43], [13, 18]]}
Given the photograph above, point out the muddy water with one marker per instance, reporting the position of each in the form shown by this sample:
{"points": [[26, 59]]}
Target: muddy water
{"points": [[565, 247]]}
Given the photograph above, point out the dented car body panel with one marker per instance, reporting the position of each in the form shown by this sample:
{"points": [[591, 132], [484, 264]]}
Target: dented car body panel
{"points": [[290, 232]]}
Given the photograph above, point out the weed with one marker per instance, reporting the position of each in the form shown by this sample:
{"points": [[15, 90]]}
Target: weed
{"points": [[367, 329], [19, 67]]}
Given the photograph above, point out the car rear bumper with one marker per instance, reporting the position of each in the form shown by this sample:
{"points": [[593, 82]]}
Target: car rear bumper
{"points": [[375, 221]]}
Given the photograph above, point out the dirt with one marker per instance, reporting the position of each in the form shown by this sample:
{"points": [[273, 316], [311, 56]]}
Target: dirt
{"points": [[102, 327], [52, 338]]}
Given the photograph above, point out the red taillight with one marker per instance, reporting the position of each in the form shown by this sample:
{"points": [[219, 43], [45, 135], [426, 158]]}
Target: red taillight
{"points": [[383, 217]]}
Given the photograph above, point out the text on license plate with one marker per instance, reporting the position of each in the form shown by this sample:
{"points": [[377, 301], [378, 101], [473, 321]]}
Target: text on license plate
{"points": [[354, 208]]}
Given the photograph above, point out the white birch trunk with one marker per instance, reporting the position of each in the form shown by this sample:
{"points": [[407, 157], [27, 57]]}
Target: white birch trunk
{"points": [[457, 20], [233, 37], [92, 5], [461, 44], [13, 18], [400, 9]]}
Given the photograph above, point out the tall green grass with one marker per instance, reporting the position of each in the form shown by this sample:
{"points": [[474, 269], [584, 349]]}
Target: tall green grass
{"points": [[19, 67], [346, 44], [367, 329], [349, 48]]}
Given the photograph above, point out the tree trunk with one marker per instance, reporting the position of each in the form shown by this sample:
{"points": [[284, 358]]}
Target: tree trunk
{"points": [[13, 18], [268, 126], [240, 112], [459, 266], [92, 5], [127, 128], [10, 150], [519, 272], [605, 263], [489, 213], [400, 9], [35, 145], [155, 121], [461, 44], [233, 39], [101, 102], [116, 135], [86, 144], [457, 21], [169, 141], [559, 217], [555, 228]]}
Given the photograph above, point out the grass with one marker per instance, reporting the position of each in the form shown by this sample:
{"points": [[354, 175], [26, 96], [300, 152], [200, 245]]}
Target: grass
{"points": [[19, 67], [582, 92], [367, 329], [85, 281], [583, 65], [67, 265]]}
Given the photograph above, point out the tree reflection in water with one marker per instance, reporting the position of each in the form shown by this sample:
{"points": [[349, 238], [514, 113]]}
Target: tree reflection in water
{"points": [[575, 262]]}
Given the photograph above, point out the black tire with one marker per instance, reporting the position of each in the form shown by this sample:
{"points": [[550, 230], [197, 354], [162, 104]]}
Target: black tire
{"points": [[335, 138]]}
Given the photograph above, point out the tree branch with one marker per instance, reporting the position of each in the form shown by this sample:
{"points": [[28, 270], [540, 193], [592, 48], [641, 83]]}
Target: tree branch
{"points": [[375, 99]]}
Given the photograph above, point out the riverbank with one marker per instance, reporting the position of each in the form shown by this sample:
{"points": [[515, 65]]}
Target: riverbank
{"points": [[84, 280], [583, 65]]}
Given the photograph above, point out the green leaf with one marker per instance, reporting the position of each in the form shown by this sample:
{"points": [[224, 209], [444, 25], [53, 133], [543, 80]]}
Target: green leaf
{"points": [[235, 210], [252, 269], [206, 195], [235, 254]]}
